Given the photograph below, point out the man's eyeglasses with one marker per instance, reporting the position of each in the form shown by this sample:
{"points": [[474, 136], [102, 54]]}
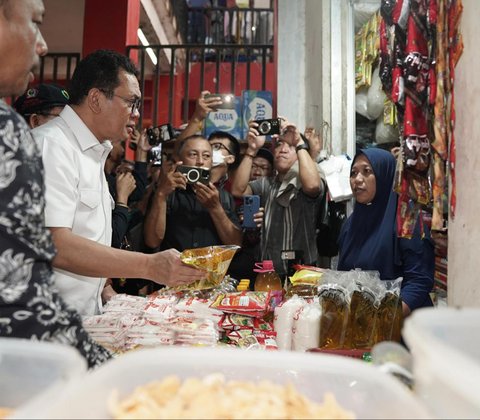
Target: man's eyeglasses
{"points": [[220, 146], [135, 104]]}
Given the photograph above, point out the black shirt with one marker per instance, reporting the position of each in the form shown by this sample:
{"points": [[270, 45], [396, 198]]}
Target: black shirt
{"points": [[189, 224]]}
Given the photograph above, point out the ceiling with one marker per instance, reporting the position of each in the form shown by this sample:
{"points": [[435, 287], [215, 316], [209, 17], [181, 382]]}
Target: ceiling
{"points": [[63, 24]]}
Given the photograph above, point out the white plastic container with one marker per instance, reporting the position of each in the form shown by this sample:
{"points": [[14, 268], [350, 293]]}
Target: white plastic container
{"points": [[29, 369], [356, 385], [445, 345]]}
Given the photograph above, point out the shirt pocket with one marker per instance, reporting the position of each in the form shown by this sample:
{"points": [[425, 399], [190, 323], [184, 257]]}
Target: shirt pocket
{"points": [[90, 198]]}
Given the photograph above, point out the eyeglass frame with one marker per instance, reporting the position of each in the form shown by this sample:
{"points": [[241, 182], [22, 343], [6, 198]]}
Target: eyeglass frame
{"points": [[134, 103], [213, 144], [262, 168]]}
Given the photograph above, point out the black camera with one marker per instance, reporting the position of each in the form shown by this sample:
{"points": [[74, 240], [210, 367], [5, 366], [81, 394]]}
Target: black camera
{"points": [[160, 134], [228, 100], [195, 174], [268, 127]]}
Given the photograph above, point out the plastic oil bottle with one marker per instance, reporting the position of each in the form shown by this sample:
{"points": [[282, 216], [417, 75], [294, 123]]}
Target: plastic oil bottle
{"points": [[267, 279]]}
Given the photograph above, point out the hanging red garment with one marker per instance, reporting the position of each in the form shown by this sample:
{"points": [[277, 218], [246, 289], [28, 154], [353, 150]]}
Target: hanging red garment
{"points": [[454, 52]]}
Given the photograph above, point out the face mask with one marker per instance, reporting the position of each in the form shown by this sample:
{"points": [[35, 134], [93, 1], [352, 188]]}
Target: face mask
{"points": [[217, 158]]}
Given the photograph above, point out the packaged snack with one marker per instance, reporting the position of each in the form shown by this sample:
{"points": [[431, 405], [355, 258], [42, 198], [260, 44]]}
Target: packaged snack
{"points": [[254, 304]]}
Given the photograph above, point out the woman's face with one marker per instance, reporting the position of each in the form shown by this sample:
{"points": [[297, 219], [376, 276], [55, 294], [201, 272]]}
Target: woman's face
{"points": [[362, 180]]}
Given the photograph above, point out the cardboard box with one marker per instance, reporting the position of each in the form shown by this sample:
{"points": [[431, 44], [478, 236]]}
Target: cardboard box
{"points": [[228, 120], [257, 105]]}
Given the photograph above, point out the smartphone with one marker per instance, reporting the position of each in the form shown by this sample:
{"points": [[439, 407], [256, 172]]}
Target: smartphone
{"points": [[228, 100], [160, 134], [251, 205]]}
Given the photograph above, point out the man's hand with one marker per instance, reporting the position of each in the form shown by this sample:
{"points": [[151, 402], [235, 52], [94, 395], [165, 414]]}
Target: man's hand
{"points": [[204, 106], [169, 179], [207, 195], [167, 268], [258, 217], [254, 139], [291, 135], [125, 185], [314, 141]]}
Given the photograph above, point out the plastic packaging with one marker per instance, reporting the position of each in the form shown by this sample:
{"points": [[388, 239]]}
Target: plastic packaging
{"points": [[306, 327], [267, 279], [243, 285], [445, 346], [31, 370], [356, 385], [375, 97], [283, 321], [214, 259]]}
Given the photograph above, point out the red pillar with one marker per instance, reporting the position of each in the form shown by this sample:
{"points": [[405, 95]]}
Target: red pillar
{"points": [[110, 24]]}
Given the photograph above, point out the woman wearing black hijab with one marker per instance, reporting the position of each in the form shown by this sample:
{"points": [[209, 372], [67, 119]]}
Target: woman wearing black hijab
{"points": [[369, 240]]}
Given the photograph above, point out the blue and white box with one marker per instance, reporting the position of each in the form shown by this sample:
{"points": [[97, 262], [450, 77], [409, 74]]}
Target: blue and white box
{"points": [[228, 120], [257, 105]]}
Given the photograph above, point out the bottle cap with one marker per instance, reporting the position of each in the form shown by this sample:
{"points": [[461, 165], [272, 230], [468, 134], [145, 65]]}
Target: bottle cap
{"points": [[264, 267]]}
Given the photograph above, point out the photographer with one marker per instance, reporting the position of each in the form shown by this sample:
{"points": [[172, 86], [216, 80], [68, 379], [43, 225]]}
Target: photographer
{"points": [[185, 214], [291, 198]]}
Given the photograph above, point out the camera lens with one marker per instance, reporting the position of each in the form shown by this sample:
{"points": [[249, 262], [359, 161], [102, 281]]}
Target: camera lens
{"points": [[193, 175], [264, 127]]}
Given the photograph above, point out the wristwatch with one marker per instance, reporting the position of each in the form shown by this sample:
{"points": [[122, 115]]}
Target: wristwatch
{"points": [[303, 146]]}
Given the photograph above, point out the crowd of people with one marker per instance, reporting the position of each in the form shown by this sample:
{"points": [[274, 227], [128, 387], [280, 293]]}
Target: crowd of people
{"points": [[78, 223]]}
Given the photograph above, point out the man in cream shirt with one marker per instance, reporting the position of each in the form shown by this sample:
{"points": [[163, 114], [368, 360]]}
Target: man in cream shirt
{"points": [[104, 103]]}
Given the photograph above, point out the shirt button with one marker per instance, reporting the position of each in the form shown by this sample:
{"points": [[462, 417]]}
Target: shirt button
{"points": [[195, 244]]}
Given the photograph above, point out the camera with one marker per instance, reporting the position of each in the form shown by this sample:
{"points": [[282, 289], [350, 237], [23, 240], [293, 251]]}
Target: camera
{"points": [[268, 127], [160, 134], [228, 100], [195, 174]]}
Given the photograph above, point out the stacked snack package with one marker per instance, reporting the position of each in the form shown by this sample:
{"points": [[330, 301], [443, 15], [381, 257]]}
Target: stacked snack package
{"points": [[160, 319], [246, 321]]}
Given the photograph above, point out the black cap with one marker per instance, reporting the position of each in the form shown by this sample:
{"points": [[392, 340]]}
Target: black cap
{"points": [[41, 98], [266, 154]]}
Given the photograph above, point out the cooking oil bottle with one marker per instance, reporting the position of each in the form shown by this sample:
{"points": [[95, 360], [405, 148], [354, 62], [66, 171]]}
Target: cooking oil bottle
{"points": [[267, 279]]}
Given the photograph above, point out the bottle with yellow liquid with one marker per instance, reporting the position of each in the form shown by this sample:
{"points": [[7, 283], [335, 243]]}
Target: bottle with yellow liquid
{"points": [[267, 279]]}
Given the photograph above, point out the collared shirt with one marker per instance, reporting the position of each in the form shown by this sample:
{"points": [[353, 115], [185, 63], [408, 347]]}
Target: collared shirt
{"points": [[30, 307], [77, 197], [290, 220]]}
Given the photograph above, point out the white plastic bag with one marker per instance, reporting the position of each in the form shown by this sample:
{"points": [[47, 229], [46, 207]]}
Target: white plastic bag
{"points": [[385, 133], [375, 97]]}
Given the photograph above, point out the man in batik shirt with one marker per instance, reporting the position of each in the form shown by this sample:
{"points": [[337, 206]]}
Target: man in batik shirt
{"points": [[29, 304]]}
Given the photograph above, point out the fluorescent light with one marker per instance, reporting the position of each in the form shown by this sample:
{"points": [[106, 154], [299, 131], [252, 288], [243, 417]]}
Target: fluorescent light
{"points": [[144, 41]]}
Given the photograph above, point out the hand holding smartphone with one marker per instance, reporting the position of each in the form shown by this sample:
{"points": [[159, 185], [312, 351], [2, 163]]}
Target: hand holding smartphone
{"points": [[251, 205]]}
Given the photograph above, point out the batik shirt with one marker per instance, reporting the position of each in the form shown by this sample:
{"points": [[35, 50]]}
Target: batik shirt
{"points": [[30, 306]]}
